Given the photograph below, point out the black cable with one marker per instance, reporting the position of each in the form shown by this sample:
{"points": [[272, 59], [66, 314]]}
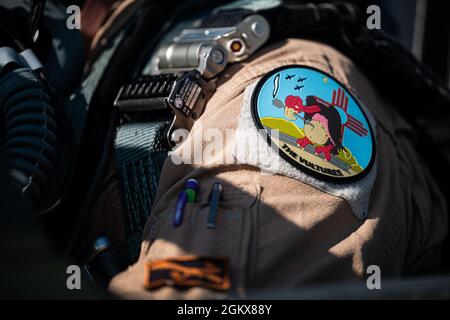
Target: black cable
{"points": [[37, 11]]}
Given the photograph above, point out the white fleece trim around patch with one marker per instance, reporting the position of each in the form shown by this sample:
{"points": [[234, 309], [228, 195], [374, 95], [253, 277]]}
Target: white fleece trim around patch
{"points": [[357, 194]]}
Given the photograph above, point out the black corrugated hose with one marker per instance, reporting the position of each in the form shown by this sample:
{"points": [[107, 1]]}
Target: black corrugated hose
{"points": [[30, 130]]}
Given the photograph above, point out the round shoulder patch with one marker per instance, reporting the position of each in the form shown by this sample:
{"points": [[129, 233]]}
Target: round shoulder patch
{"points": [[315, 123]]}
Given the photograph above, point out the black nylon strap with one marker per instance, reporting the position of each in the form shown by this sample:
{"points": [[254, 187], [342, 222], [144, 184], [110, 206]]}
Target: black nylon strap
{"points": [[224, 18]]}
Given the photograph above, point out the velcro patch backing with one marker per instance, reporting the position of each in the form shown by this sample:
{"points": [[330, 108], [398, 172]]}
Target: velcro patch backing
{"points": [[344, 165], [188, 271], [320, 126]]}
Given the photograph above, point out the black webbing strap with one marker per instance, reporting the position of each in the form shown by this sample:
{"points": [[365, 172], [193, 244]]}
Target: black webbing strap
{"points": [[224, 18], [140, 154]]}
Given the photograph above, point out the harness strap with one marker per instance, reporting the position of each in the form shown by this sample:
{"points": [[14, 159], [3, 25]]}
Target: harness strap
{"points": [[140, 155]]}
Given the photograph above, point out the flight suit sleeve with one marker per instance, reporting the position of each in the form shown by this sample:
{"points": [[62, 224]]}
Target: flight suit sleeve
{"points": [[286, 229]]}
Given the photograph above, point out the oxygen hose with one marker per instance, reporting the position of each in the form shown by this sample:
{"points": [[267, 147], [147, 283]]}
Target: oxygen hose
{"points": [[30, 130]]}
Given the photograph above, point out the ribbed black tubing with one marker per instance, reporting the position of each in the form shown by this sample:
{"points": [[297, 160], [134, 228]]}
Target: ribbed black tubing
{"points": [[30, 124]]}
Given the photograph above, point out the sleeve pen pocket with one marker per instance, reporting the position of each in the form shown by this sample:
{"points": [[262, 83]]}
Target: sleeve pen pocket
{"points": [[220, 224]]}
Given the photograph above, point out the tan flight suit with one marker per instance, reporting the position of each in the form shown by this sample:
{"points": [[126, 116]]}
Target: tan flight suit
{"points": [[282, 233]]}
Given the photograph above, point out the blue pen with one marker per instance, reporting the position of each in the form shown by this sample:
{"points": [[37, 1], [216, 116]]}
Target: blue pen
{"points": [[214, 199], [179, 211]]}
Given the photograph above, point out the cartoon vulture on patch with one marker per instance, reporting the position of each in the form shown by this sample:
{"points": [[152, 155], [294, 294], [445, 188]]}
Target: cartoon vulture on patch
{"points": [[322, 125]]}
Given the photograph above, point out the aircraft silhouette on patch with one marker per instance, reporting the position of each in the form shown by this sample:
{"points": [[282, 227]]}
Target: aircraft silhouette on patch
{"points": [[300, 79], [298, 87], [289, 76]]}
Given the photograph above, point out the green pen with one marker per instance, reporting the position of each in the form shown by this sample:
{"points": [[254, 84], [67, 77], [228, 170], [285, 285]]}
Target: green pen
{"points": [[191, 188]]}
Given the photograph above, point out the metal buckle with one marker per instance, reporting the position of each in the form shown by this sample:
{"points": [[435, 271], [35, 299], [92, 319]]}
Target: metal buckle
{"points": [[185, 94], [188, 99], [144, 93], [210, 49], [240, 40]]}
